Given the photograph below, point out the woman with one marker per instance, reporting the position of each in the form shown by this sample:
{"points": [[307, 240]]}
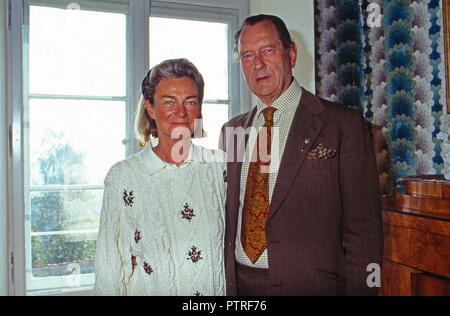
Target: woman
{"points": [[162, 222]]}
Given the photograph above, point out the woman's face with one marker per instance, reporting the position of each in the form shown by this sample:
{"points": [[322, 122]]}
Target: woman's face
{"points": [[176, 106]]}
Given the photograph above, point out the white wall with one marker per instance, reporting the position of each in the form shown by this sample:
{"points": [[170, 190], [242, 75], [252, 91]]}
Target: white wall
{"points": [[299, 18], [3, 158]]}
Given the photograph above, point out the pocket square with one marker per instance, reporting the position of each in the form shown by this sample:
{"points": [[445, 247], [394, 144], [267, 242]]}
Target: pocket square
{"points": [[321, 152]]}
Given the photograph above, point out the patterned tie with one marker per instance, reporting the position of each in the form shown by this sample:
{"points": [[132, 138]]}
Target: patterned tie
{"points": [[256, 199]]}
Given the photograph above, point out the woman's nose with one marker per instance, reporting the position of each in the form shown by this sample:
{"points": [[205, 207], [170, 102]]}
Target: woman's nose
{"points": [[180, 110]]}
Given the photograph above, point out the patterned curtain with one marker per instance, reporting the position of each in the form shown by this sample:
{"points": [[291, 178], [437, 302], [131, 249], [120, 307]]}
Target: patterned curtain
{"points": [[386, 58]]}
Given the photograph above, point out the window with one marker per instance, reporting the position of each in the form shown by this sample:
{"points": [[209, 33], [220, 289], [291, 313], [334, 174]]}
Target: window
{"points": [[74, 94], [75, 106]]}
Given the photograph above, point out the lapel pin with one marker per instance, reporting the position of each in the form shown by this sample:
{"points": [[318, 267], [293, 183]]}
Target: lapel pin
{"points": [[306, 141]]}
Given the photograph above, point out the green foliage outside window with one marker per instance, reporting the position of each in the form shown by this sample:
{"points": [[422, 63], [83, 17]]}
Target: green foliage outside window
{"points": [[58, 210]]}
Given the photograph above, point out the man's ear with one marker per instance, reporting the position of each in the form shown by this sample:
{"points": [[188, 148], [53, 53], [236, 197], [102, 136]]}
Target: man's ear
{"points": [[150, 109], [293, 54]]}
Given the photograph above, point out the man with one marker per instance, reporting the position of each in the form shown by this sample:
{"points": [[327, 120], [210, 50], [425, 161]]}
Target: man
{"points": [[308, 223]]}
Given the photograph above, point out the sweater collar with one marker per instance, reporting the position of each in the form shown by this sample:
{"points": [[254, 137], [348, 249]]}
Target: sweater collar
{"points": [[154, 163]]}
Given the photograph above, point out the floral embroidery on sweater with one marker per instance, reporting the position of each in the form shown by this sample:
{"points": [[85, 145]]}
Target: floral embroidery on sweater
{"points": [[148, 269], [187, 213], [194, 254], [128, 198], [137, 236]]}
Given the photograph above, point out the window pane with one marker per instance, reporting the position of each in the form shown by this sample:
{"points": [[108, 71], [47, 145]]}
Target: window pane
{"points": [[76, 52], [55, 211], [52, 255], [214, 116], [64, 230], [74, 141], [68, 141], [203, 43]]}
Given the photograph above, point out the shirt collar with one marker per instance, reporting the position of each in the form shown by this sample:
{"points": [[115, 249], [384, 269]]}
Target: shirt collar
{"points": [[287, 101], [154, 164]]}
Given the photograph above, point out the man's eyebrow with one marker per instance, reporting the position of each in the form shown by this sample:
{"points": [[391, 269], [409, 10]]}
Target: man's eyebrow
{"points": [[268, 45], [242, 53], [271, 45], [174, 97]]}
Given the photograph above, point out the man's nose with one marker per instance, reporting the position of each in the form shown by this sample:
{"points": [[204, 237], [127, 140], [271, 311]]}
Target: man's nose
{"points": [[258, 63]]}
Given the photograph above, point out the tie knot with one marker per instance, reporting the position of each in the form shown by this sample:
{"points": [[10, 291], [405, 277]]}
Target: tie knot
{"points": [[268, 114]]}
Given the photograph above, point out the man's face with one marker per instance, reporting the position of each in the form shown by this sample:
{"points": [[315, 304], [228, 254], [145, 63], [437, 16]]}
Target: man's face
{"points": [[266, 64]]}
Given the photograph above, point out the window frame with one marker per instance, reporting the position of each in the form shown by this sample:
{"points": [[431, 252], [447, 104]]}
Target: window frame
{"points": [[36, 286], [137, 63]]}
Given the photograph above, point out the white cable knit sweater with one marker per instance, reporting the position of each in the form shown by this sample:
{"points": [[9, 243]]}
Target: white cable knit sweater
{"points": [[171, 219]]}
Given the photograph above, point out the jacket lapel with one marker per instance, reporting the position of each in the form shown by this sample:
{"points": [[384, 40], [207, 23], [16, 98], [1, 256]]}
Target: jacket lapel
{"points": [[305, 129], [234, 165]]}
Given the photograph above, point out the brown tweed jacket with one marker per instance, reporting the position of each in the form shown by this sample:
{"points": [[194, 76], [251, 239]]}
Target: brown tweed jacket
{"points": [[324, 224]]}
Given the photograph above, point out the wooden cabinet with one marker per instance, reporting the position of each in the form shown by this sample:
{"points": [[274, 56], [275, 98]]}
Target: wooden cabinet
{"points": [[416, 224]]}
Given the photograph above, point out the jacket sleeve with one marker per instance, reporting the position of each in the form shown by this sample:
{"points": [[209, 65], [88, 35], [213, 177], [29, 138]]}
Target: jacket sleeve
{"points": [[363, 233], [109, 274]]}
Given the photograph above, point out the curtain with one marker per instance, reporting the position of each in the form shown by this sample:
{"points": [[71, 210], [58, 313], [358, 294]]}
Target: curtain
{"points": [[391, 52]]}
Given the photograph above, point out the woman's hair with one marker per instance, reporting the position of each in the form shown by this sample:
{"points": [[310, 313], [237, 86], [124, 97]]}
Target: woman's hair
{"points": [[172, 68]]}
